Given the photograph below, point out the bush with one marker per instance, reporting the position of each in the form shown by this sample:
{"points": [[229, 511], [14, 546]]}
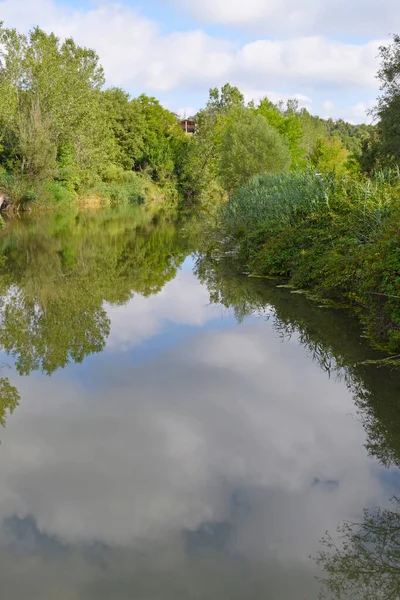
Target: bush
{"points": [[251, 146], [337, 237], [58, 193], [119, 193], [116, 174], [18, 188]]}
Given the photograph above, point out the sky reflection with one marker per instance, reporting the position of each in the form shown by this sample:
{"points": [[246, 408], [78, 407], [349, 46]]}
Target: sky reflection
{"points": [[208, 470]]}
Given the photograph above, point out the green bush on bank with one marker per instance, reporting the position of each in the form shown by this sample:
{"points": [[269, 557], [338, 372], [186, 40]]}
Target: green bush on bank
{"points": [[116, 186], [336, 236], [18, 189], [118, 193]]}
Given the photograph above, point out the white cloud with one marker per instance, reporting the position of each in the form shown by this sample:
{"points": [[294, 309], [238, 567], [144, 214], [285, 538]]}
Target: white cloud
{"points": [[309, 61], [181, 301], [118, 482], [145, 452], [361, 111], [138, 56], [328, 105], [106, 468], [276, 97], [354, 113], [288, 17], [131, 48]]}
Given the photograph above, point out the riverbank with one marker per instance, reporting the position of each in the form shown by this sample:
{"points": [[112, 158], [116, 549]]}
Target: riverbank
{"points": [[335, 237], [21, 194]]}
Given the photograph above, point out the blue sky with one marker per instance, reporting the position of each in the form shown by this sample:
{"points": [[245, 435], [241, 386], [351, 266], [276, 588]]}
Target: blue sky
{"points": [[324, 52]]}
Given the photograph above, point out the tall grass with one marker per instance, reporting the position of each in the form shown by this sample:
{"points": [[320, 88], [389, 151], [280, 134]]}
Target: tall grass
{"points": [[274, 202], [19, 189]]}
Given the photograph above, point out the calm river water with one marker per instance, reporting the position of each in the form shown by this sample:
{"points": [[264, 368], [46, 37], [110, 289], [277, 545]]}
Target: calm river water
{"points": [[178, 430]]}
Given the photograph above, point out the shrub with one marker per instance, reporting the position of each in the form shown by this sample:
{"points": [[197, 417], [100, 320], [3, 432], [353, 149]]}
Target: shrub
{"points": [[58, 193], [338, 237], [119, 193], [19, 189]]}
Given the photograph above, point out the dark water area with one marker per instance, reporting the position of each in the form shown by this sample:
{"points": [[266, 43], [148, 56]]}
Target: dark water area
{"points": [[178, 430]]}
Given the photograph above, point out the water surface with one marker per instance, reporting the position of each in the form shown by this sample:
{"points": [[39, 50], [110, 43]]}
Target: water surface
{"points": [[179, 430]]}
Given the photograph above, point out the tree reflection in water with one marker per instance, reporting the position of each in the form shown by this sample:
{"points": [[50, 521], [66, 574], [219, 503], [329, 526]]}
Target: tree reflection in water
{"points": [[362, 560], [9, 399], [57, 270], [60, 269]]}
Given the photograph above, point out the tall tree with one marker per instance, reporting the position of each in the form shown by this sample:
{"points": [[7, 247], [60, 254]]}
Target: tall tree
{"points": [[251, 146], [53, 99], [288, 124], [161, 136], [128, 124], [199, 159], [228, 97]]}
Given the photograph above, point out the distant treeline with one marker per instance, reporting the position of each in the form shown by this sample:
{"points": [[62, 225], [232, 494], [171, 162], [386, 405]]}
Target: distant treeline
{"points": [[64, 135]]}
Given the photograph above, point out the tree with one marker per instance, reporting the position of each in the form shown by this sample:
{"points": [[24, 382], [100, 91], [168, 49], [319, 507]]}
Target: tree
{"points": [[388, 109], [330, 155], [288, 124], [128, 124], [161, 136], [228, 97], [250, 146], [198, 159], [314, 129], [372, 155], [52, 94]]}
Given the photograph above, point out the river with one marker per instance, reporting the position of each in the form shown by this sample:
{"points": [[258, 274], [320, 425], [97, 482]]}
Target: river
{"points": [[178, 430]]}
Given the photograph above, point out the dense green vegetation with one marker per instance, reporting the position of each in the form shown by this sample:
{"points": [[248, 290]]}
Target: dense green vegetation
{"points": [[331, 227], [336, 236], [64, 135]]}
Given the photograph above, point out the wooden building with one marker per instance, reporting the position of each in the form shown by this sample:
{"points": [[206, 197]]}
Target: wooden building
{"points": [[188, 125]]}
